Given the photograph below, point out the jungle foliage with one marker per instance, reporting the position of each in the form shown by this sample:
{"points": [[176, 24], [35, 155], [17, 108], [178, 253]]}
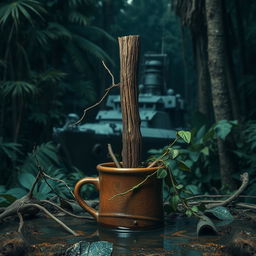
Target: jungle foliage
{"points": [[50, 65]]}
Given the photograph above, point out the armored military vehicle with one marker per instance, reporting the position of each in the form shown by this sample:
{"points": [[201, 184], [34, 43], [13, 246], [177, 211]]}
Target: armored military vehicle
{"points": [[161, 113]]}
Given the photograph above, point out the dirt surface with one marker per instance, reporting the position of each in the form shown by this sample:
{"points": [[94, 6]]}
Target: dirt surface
{"points": [[41, 236]]}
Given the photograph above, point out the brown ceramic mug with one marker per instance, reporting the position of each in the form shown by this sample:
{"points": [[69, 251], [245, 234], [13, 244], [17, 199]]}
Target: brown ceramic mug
{"points": [[138, 209]]}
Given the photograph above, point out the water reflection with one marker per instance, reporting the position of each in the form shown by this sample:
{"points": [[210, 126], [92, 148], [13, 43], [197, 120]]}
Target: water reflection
{"points": [[158, 240], [166, 240]]}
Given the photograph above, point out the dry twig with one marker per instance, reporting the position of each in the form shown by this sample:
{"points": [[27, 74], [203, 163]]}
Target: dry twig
{"points": [[102, 98], [245, 180], [113, 157]]}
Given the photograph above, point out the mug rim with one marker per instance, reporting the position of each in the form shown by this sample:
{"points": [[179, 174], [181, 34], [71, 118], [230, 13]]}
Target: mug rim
{"points": [[110, 168]]}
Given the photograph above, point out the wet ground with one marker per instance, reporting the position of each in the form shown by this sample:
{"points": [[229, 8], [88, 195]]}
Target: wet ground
{"points": [[178, 237]]}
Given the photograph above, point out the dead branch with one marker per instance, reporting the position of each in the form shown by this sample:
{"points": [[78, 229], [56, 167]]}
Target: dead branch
{"points": [[113, 157], [102, 98], [61, 181], [245, 179], [65, 211], [52, 217], [112, 77], [21, 222], [42, 174], [21, 205], [217, 196]]}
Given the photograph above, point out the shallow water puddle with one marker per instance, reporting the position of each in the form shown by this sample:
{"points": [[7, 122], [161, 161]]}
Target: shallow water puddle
{"points": [[177, 237]]}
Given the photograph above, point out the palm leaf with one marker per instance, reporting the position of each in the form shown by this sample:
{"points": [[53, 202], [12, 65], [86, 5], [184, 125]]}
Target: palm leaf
{"points": [[93, 30], [25, 56], [17, 88], [23, 8], [10, 149], [77, 18], [76, 56], [56, 31], [92, 48], [51, 75]]}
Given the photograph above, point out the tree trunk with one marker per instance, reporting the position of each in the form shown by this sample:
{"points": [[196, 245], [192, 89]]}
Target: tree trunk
{"points": [[242, 57], [216, 63], [192, 14], [230, 73], [131, 136], [203, 78]]}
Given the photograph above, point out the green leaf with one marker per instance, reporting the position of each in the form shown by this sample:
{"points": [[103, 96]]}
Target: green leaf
{"points": [[200, 134], [183, 166], [9, 198], [220, 213], [180, 186], [205, 227], [26, 180], [174, 200], [189, 213], [194, 209], [185, 135], [223, 128], [16, 192], [194, 156], [193, 189], [205, 151], [173, 152], [161, 173]]}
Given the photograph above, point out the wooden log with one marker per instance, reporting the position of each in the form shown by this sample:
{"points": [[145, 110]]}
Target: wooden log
{"points": [[131, 136]]}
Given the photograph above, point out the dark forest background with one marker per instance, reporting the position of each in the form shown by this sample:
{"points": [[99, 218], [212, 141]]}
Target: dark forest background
{"points": [[50, 65]]}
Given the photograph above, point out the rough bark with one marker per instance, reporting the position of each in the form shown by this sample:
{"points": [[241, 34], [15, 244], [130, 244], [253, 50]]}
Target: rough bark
{"points": [[220, 98], [203, 78], [131, 136], [192, 14]]}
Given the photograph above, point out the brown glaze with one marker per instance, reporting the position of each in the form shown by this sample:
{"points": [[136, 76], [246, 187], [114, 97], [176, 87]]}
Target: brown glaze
{"points": [[140, 208]]}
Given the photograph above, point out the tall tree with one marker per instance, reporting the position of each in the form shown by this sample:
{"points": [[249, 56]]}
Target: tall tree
{"points": [[220, 97], [192, 14]]}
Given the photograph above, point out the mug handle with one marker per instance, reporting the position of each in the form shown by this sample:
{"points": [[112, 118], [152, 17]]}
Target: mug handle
{"points": [[82, 203]]}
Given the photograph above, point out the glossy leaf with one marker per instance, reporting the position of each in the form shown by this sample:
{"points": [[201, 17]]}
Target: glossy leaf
{"points": [[223, 128], [220, 212], [173, 152], [26, 180], [84, 248], [185, 135]]}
